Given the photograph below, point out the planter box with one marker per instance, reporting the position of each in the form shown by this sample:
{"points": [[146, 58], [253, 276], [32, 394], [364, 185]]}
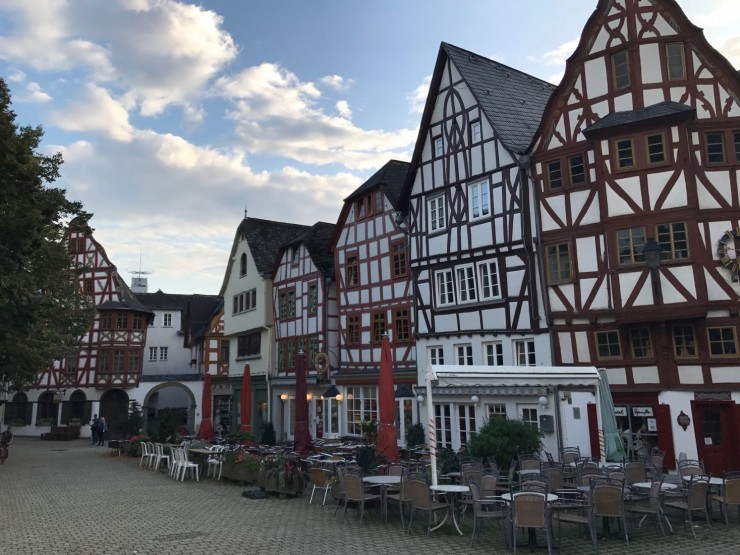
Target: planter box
{"points": [[278, 482], [239, 473]]}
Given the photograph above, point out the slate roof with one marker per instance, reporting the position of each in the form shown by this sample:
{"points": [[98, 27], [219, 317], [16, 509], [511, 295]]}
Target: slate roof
{"points": [[512, 100], [266, 237], [318, 241], [390, 178], [128, 301], [200, 311], [163, 301], [661, 111]]}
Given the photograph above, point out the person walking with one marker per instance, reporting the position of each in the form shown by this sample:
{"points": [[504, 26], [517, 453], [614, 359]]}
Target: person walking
{"points": [[94, 425], [102, 428]]}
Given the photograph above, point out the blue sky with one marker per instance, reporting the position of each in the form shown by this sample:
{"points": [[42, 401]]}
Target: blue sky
{"points": [[172, 116]]}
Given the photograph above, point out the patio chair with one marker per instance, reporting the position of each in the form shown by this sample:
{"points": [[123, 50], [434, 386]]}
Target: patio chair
{"points": [[321, 480], [160, 456], [422, 500], [529, 461], [729, 493], [486, 509], [695, 500], [215, 462], [354, 492], [572, 507], [182, 465], [569, 456], [530, 510], [488, 485], [652, 506], [689, 467], [337, 489], [146, 456], [607, 501], [402, 496], [508, 482]]}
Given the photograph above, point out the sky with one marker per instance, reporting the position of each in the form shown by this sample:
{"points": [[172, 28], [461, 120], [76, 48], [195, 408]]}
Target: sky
{"points": [[174, 117]]}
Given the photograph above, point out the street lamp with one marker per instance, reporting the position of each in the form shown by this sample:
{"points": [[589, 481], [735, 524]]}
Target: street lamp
{"points": [[651, 252]]}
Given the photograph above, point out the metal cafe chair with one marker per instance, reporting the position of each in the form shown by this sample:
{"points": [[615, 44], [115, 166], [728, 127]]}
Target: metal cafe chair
{"points": [[729, 493], [694, 500]]}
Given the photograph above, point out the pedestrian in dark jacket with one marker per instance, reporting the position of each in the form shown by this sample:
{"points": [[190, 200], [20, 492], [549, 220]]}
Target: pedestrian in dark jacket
{"points": [[94, 425], [102, 429]]}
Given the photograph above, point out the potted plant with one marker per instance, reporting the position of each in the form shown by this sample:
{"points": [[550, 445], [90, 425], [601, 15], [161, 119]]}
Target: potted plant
{"points": [[241, 466], [415, 436], [369, 430], [241, 438]]}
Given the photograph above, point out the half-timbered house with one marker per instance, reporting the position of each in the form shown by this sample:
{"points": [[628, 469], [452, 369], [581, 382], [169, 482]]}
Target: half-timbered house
{"points": [[248, 307], [636, 163], [470, 214], [107, 367], [305, 303], [370, 247]]}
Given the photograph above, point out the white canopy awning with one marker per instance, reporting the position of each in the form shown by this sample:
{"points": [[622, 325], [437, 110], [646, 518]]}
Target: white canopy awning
{"points": [[511, 376]]}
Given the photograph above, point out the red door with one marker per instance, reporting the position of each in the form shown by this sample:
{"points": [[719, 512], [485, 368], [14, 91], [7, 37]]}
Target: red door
{"points": [[716, 435]]}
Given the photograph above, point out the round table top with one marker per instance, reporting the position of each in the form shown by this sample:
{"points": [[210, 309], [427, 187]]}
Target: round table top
{"points": [[382, 480], [648, 485], [450, 488], [529, 471], [713, 481], [550, 496]]}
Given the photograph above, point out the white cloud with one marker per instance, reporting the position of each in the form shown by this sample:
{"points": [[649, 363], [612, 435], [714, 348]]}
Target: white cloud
{"points": [[418, 97], [557, 56], [16, 76], [34, 93], [337, 82], [95, 111], [343, 109]]}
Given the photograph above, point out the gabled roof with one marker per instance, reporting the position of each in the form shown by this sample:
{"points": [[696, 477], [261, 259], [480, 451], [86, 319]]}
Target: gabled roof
{"points": [[391, 179], [200, 312], [317, 240], [264, 239], [128, 298], [163, 301], [511, 100]]}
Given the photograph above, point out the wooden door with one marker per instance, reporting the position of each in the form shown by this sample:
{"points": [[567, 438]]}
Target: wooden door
{"points": [[716, 435]]}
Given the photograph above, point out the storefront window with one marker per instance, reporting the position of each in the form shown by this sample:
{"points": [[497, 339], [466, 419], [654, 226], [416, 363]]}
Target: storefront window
{"points": [[639, 429]]}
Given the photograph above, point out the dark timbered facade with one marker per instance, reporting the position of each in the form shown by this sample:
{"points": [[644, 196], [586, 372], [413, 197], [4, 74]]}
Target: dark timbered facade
{"points": [[638, 151]]}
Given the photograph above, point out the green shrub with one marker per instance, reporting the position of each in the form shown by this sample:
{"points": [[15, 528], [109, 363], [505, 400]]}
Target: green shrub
{"points": [[415, 436], [504, 440], [268, 434], [447, 461]]}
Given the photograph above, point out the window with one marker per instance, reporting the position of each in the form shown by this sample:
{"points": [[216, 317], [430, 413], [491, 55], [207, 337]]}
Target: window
{"points": [[138, 322], [466, 422], [438, 147], [478, 200], [167, 320], [577, 170], [402, 325], [675, 61], [630, 243], [620, 69], [722, 341], [715, 148], [295, 255], [163, 353], [464, 354], [379, 326], [445, 288], [290, 354], [362, 404], [607, 345], [625, 154], [152, 354], [286, 305], [736, 140], [244, 301], [353, 330], [655, 149], [290, 304], [525, 355], [89, 287], [352, 271], [443, 425], [558, 263], [496, 410], [554, 175], [121, 320], [360, 209], [530, 417], [248, 344], [436, 355], [488, 276], [378, 207], [684, 341], [493, 353], [133, 361], [104, 362], [437, 210], [400, 260], [282, 358], [466, 284], [243, 265], [475, 132], [313, 298], [313, 349], [642, 347], [106, 321], [673, 241], [225, 350]]}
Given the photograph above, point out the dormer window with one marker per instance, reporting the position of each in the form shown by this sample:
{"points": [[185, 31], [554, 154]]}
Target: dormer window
{"points": [[620, 69], [294, 255], [625, 154], [655, 149]]}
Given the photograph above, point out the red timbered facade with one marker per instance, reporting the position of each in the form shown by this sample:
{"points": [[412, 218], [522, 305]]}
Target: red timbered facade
{"points": [[305, 305], [370, 247], [637, 153]]}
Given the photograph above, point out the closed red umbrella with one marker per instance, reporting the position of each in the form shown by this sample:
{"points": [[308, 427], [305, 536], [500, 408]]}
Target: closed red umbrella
{"points": [[206, 424], [245, 400], [386, 444], [302, 442]]}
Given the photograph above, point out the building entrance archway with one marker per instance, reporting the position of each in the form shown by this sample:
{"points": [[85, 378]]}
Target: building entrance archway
{"points": [[169, 405]]}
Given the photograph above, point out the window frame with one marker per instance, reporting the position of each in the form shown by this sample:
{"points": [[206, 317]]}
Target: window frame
{"points": [[465, 284], [448, 283], [243, 265], [636, 251], [616, 73], [436, 354], [313, 298], [669, 248], [679, 346], [379, 326], [554, 183], [476, 131], [248, 345], [618, 157], [353, 330], [583, 164], [486, 275], [608, 335], [402, 325], [525, 349], [669, 57], [438, 147], [479, 193], [464, 354], [663, 150], [493, 353], [723, 341], [352, 271], [437, 213], [399, 259], [555, 279], [639, 341]]}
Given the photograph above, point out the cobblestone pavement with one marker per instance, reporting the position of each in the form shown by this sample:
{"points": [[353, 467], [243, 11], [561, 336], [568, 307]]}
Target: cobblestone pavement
{"points": [[72, 498]]}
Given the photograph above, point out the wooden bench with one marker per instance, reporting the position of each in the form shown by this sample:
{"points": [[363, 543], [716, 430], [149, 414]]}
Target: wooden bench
{"points": [[62, 433]]}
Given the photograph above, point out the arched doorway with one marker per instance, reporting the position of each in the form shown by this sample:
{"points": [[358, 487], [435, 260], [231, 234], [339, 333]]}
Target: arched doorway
{"points": [[78, 410], [169, 407], [114, 408], [46, 412]]}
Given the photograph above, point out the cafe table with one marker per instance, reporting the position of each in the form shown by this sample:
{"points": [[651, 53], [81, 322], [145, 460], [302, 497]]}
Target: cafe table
{"points": [[384, 482], [202, 455], [452, 491]]}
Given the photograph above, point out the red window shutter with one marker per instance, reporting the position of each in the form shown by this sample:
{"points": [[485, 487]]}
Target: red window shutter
{"points": [[593, 430], [665, 435]]}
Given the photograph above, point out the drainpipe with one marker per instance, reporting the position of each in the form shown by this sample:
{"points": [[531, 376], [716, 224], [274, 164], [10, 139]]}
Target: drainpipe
{"points": [[558, 415]]}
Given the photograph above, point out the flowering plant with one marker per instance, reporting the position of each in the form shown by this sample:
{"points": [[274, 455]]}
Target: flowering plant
{"points": [[248, 460]]}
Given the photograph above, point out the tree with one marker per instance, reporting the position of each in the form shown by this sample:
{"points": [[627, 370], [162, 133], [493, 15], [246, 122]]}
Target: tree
{"points": [[504, 440], [43, 312]]}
